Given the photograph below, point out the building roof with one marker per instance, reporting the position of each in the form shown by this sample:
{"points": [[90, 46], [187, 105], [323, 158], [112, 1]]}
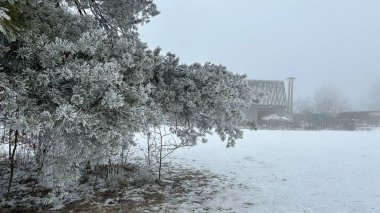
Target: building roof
{"points": [[274, 92]]}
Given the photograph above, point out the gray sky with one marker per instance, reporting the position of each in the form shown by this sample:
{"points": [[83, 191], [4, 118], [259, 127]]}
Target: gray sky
{"points": [[316, 41]]}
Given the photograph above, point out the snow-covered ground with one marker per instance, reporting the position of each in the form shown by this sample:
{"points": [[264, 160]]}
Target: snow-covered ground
{"points": [[278, 171], [292, 171]]}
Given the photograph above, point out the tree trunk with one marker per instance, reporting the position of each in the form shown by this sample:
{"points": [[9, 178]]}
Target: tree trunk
{"points": [[149, 147], [12, 164], [10, 144], [160, 159], [3, 136]]}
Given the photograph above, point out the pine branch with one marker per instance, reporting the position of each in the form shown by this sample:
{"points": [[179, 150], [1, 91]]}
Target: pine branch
{"points": [[97, 101]]}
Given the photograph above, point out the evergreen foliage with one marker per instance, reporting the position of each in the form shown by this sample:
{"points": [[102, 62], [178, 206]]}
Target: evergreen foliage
{"points": [[77, 75]]}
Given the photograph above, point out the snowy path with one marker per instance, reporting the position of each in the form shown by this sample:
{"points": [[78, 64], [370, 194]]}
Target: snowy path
{"points": [[293, 171]]}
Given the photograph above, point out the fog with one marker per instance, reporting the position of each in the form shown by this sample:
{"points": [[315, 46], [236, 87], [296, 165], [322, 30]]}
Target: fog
{"points": [[316, 41]]}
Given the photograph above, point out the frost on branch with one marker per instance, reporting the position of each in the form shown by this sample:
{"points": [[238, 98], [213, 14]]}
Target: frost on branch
{"points": [[82, 84]]}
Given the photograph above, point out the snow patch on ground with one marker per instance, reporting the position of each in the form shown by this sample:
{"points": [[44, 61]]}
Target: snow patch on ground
{"points": [[275, 117], [293, 171]]}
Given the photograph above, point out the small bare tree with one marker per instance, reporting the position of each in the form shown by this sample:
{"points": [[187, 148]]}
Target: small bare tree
{"points": [[161, 142], [329, 99], [304, 105]]}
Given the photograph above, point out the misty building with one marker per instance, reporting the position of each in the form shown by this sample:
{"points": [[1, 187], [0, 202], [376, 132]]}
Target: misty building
{"points": [[273, 101], [360, 118]]}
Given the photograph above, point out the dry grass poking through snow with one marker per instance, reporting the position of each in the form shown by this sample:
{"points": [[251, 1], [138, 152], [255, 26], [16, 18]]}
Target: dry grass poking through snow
{"points": [[180, 189]]}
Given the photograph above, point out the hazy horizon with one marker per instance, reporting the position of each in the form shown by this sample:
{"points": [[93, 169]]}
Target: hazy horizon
{"points": [[318, 42]]}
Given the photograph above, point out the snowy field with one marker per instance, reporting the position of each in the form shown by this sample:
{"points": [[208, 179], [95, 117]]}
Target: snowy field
{"points": [[279, 171], [292, 171]]}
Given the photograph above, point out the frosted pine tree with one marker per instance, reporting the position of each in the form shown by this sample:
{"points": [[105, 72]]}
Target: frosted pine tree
{"points": [[199, 98], [82, 75], [78, 76]]}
